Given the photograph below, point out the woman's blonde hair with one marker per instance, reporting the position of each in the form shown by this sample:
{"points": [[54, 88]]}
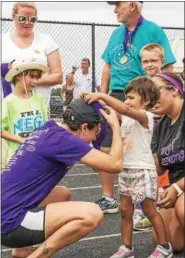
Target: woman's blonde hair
{"points": [[23, 4]]}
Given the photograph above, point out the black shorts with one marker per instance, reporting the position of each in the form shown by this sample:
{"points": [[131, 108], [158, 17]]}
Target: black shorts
{"points": [[30, 232], [117, 94]]}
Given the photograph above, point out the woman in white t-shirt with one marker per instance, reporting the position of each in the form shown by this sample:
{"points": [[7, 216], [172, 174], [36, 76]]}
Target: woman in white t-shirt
{"points": [[23, 39]]}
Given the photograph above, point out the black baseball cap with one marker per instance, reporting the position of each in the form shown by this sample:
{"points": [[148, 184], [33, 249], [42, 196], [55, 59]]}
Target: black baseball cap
{"points": [[81, 112], [115, 2]]}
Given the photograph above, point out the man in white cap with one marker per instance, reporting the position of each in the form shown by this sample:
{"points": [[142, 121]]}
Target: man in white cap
{"points": [[122, 64]]}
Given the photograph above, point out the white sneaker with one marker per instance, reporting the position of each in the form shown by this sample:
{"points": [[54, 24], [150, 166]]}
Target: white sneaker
{"points": [[161, 252], [123, 252], [138, 216]]}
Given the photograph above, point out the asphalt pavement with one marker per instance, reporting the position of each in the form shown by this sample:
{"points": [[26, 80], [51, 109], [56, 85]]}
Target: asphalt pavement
{"points": [[104, 241]]}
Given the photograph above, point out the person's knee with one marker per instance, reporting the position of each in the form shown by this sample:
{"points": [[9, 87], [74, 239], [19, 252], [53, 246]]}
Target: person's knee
{"points": [[149, 210], [94, 215], [126, 212], [179, 210], [65, 193], [149, 213]]}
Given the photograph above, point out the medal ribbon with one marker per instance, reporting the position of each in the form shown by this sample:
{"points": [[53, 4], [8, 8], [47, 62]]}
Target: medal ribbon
{"points": [[129, 35]]}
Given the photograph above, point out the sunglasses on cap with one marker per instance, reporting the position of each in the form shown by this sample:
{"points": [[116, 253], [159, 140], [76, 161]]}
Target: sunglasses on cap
{"points": [[23, 19]]}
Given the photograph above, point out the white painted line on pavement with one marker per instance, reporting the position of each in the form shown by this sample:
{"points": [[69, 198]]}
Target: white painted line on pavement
{"points": [[99, 237], [111, 235], [85, 174], [87, 187], [79, 165]]}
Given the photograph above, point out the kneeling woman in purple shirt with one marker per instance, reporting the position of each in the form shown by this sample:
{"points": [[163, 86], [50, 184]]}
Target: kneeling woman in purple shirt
{"points": [[34, 210]]}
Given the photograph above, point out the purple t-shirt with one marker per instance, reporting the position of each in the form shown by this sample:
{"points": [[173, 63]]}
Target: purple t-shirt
{"points": [[36, 167]]}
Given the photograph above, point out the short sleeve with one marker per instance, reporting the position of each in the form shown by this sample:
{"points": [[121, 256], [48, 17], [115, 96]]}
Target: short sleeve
{"points": [[5, 116], [106, 54], [150, 120], [67, 148], [50, 44], [164, 42], [155, 139]]}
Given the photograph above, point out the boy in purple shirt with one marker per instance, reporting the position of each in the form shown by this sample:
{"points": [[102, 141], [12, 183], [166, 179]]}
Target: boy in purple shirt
{"points": [[34, 210]]}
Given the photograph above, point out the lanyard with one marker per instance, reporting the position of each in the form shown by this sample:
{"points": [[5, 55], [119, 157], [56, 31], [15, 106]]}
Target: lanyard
{"points": [[128, 35]]}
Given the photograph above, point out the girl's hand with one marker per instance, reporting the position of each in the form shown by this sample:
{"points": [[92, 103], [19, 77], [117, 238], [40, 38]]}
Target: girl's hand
{"points": [[168, 198], [91, 97]]}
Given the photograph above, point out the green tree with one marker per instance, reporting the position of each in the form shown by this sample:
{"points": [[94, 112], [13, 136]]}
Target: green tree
{"points": [[56, 92]]}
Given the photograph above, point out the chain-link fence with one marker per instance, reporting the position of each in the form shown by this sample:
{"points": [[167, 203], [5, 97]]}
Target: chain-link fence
{"points": [[78, 40]]}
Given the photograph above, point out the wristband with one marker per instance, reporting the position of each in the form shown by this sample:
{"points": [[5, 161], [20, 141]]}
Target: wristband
{"points": [[177, 188]]}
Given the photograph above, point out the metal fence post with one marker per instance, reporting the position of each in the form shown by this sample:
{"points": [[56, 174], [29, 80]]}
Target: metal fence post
{"points": [[93, 58]]}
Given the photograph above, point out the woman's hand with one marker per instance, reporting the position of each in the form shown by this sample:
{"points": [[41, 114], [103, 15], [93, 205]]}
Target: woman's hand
{"points": [[110, 115], [168, 198]]}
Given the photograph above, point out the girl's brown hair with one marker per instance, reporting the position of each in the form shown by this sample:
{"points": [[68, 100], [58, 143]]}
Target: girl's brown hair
{"points": [[146, 88]]}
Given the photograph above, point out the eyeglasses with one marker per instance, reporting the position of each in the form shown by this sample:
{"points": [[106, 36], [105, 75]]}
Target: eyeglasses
{"points": [[23, 19], [151, 61]]}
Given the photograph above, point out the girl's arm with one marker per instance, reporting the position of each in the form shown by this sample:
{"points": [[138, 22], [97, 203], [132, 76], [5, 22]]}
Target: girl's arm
{"points": [[119, 106], [12, 137]]}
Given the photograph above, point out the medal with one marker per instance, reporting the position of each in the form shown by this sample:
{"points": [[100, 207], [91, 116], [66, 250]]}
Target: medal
{"points": [[123, 60]]}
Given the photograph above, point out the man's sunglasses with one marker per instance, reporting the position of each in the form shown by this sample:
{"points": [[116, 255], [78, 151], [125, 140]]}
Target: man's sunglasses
{"points": [[23, 19]]}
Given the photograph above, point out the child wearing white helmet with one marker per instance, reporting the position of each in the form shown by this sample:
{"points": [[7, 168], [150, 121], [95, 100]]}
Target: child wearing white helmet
{"points": [[23, 111]]}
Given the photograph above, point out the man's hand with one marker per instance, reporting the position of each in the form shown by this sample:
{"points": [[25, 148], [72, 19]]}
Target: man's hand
{"points": [[168, 198]]}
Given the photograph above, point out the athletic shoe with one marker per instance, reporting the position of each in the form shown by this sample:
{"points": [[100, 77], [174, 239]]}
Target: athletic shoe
{"points": [[143, 225], [138, 216], [161, 252], [123, 252], [108, 206]]}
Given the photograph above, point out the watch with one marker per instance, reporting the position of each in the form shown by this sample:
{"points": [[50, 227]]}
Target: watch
{"points": [[177, 188]]}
